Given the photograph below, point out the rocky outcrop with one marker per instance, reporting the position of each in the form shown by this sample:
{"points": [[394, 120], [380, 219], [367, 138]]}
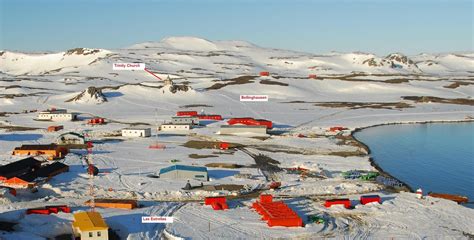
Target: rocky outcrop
{"points": [[90, 95]]}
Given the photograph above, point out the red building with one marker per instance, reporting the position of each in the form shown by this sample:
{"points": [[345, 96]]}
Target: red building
{"points": [[264, 74], [276, 213], [187, 113], [251, 122], [312, 76]]}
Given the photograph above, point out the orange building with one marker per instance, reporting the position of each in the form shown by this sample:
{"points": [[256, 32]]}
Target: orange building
{"points": [[51, 150], [114, 203]]}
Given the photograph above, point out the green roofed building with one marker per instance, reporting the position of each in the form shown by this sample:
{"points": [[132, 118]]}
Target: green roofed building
{"points": [[184, 172]]}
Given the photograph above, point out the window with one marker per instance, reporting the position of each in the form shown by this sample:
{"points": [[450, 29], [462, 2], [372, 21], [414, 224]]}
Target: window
{"points": [[90, 234], [98, 234]]}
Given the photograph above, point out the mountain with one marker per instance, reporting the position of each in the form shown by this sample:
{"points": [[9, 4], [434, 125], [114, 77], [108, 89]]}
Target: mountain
{"points": [[191, 57]]}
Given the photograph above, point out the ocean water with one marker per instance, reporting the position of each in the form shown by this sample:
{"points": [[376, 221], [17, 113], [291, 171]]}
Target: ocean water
{"points": [[437, 157]]}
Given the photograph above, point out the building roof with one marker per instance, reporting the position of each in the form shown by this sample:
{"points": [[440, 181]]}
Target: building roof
{"points": [[44, 172], [72, 133], [54, 111], [243, 126], [110, 200], [175, 124], [15, 168], [183, 168], [38, 147], [136, 128], [180, 117], [89, 221]]}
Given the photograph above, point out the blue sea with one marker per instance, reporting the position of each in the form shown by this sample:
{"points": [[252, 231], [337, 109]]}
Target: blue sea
{"points": [[437, 157]]}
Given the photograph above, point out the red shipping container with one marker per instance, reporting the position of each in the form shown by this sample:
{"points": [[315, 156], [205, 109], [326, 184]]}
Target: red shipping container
{"points": [[343, 201], [211, 200], [224, 145], [370, 198], [56, 209], [219, 206], [42, 211], [187, 113], [266, 198], [263, 74]]}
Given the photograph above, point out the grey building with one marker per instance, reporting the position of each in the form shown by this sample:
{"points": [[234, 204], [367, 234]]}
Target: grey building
{"points": [[243, 129], [184, 172], [185, 120]]}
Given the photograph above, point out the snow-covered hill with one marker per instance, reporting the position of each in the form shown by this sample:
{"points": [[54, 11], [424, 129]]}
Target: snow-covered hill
{"points": [[194, 55]]}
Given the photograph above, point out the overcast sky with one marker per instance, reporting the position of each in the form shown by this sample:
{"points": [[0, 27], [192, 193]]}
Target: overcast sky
{"points": [[381, 27]]}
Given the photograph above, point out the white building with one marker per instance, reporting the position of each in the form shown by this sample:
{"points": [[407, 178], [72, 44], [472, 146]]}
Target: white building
{"points": [[57, 115], [185, 120], [174, 127], [243, 129], [136, 132]]}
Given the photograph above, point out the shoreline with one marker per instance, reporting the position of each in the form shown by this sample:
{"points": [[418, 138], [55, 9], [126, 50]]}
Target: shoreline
{"points": [[372, 161]]}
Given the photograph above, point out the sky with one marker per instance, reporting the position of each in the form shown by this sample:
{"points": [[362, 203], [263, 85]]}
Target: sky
{"points": [[318, 26]]}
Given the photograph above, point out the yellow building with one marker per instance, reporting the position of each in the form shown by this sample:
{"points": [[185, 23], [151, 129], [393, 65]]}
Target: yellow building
{"points": [[90, 226]]}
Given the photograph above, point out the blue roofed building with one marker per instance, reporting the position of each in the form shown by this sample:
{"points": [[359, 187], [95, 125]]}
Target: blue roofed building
{"points": [[184, 172]]}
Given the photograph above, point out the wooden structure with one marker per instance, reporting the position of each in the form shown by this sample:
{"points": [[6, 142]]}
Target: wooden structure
{"points": [[53, 151], [276, 213], [114, 203], [90, 225]]}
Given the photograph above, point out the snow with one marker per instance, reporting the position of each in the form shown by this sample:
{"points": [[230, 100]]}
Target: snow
{"points": [[29, 82]]}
